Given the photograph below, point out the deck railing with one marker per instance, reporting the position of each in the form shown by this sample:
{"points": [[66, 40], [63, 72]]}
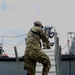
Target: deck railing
{"points": [[57, 54]]}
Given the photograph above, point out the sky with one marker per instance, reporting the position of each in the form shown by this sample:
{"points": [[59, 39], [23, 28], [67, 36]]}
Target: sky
{"points": [[18, 16]]}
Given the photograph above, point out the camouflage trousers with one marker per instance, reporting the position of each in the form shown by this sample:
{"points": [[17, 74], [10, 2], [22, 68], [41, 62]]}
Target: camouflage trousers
{"points": [[32, 57]]}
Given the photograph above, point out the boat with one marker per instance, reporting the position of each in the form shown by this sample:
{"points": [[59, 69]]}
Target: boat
{"points": [[61, 64]]}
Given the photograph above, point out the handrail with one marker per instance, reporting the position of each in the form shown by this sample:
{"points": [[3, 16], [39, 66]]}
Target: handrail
{"points": [[57, 55]]}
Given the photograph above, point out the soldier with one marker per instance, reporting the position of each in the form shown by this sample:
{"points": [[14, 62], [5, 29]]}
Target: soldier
{"points": [[33, 52]]}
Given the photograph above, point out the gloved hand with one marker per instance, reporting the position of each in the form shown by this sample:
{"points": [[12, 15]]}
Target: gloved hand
{"points": [[52, 43]]}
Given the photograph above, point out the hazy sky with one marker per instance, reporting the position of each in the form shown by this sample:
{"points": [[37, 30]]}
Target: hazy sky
{"points": [[17, 17]]}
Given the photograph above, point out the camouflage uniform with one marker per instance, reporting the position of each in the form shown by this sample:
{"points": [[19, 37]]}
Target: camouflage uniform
{"points": [[46, 45], [33, 52]]}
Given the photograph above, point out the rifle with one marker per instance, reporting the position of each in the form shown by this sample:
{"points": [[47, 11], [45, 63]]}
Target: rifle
{"points": [[50, 32]]}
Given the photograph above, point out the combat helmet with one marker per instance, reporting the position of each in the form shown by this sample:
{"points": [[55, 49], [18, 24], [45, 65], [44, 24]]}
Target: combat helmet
{"points": [[38, 23]]}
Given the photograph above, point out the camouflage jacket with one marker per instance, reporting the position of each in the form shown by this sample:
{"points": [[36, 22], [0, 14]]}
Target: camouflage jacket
{"points": [[34, 36]]}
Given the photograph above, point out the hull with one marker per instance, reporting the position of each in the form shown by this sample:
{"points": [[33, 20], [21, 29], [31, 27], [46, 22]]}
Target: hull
{"points": [[8, 66]]}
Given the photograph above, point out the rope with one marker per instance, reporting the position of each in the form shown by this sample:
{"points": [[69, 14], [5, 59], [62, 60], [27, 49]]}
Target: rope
{"points": [[8, 44], [19, 43], [16, 44], [66, 44], [14, 36]]}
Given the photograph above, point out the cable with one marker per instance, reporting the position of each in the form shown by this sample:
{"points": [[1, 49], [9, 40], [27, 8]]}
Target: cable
{"points": [[14, 36], [16, 44], [19, 43], [65, 46], [8, 44]]}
